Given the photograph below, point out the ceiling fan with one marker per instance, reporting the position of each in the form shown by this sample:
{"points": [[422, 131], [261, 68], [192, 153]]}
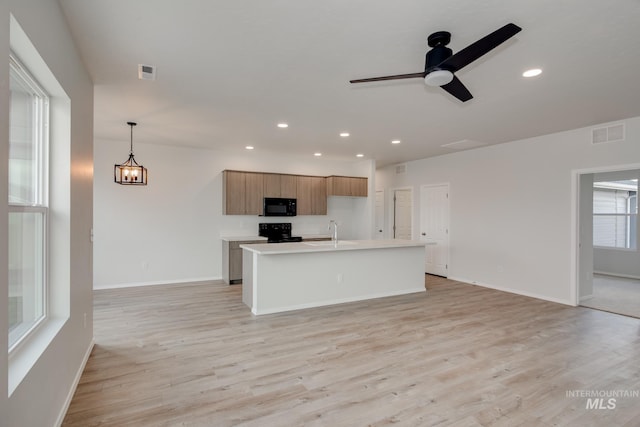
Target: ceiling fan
{"points": [[441, 64]]}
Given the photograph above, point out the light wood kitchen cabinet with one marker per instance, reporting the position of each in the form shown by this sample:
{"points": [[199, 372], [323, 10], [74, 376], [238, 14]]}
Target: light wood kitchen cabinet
{"points": [[346, 186], [233, 187], [243, 192], [280, 185], [318, 195], [312, 195], [272, 185], [288, 186], [254, 193]]}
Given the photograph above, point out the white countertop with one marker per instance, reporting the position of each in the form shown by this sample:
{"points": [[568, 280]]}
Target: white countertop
{"points": [[326, 246], [242, 238], [251, 238]]}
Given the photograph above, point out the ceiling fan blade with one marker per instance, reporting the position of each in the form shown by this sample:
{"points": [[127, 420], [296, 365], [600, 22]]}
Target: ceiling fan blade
{"points": [[396, 77], [457, 89], [475, 50]]}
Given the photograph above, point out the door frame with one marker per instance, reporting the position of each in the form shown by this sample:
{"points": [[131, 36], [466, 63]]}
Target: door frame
{"points": [[375, 216], [574, 296], [391, 211], [448, 185]]}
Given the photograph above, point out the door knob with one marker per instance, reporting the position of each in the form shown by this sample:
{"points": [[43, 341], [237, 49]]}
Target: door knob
{"points": [[424, 234]]}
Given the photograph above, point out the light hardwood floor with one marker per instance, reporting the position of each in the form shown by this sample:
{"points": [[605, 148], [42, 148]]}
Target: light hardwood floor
{"points": [[460, 355]]}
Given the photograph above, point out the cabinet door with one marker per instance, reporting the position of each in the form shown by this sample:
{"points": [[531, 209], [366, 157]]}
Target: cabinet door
{"points": [[359, 187], [288, 184], [303, 188], [234, 192], [235, 265], [254, 193], [272, 184], [318, 195], [346, 186]]}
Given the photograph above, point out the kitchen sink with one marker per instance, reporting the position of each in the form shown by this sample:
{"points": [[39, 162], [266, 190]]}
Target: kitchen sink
{"points": [[331, 243]]}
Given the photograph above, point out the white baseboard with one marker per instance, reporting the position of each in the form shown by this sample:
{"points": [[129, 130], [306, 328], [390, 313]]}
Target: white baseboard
{"points": [[514, 291], [624, 276], [74, 386], [155, 283]]}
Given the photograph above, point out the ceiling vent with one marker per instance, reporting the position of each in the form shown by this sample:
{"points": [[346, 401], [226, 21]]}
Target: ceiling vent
{"points": [[401, 169], [146, 72], [611, 133]]}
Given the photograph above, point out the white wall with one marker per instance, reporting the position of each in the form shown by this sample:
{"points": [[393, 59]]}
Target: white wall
{"points": [[513, 207], [48, 384], [169, 231]]}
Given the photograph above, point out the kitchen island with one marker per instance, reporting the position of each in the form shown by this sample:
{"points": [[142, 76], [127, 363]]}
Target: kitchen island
{"points": [[291, 276]]}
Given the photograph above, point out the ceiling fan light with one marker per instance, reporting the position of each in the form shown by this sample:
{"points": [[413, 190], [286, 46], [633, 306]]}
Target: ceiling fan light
{"points": [[438, 78]]}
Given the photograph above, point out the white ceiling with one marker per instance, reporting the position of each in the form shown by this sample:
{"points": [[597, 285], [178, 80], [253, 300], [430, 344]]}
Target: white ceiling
{"points": [[230, 70]]}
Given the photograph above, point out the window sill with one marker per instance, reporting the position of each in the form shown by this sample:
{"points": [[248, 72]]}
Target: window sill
{"points": [[25, 355], [609, 248]]}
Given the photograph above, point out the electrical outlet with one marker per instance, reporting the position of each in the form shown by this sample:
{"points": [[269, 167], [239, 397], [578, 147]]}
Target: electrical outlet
{"points": [[85, 320], [339, 278]]}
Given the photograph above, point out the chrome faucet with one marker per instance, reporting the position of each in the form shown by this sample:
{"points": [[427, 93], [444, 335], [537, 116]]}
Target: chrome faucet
{"points": [[334, 233]]}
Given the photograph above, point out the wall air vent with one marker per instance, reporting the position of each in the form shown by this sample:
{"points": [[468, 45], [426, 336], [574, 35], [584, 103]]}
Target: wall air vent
{"points": [[401, 169], [610, 133], [146, 72]]}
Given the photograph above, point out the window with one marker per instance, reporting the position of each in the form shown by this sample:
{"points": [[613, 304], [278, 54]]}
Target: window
{"points": [[615, 214], [28, 202]]}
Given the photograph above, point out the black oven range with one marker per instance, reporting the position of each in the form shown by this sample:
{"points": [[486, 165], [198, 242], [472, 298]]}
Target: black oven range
{"points": [[277, 232]]}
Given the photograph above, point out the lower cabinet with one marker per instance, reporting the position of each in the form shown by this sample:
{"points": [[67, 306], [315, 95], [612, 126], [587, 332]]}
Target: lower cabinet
{"points": [[232, 257], [232, 260]]}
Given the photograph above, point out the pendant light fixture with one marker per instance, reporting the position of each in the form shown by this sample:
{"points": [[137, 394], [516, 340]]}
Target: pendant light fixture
{"points": [[130, 172]]}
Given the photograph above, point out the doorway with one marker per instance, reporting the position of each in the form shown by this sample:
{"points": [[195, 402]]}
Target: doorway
{"points": [[608, 264], [402, 207], [434, 227]]}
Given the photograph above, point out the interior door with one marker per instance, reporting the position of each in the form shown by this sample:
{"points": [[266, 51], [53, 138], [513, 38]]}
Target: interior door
{"points": [[402, 205], [434, 227], [379, 234]]}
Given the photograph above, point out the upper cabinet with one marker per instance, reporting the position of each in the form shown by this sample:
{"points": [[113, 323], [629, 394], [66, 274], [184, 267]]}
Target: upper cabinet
{"points": [[280, 185], [346, 186], [243, 192], [312, 195]]}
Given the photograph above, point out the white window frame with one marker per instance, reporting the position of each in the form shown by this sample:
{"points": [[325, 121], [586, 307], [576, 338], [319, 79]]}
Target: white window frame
{"points": [[40, 198], [628, 215]]}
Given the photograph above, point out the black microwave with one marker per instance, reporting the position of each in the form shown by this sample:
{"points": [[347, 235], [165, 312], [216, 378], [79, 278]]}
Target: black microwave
{"points": [[276, 206]]}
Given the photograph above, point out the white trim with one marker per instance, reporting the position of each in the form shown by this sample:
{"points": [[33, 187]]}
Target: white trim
{"points": [[74, 386], [515, 291], [156, 283], [24, 356], [575, 221], [623, 276]]}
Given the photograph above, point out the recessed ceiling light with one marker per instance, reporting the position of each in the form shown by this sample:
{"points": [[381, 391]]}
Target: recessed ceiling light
{"points": [[532, 72], [283, 125], [395, 141], [344, 134], [317, 154], [359, 155], [249, 147]]}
